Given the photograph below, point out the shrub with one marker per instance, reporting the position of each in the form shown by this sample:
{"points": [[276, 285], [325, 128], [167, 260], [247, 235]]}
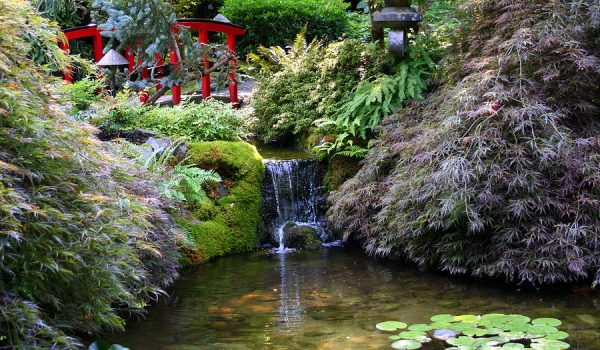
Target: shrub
{"points": [[309, 83], [496, 173], [81, 238], [276, 22], [207, 120], [230, 223], [82, 94]]}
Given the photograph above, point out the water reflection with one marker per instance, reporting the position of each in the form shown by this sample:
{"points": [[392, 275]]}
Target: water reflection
{"points": [[290, 309]]}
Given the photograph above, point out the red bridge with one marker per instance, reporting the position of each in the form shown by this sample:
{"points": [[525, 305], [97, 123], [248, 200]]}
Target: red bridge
{"points": [[202, 26]]}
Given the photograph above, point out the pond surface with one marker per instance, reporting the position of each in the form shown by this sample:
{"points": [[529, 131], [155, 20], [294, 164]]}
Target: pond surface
{"points": [[332, 299]]}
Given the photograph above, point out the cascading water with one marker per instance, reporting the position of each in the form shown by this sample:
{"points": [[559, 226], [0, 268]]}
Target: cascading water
{"points": [[293, 192]]}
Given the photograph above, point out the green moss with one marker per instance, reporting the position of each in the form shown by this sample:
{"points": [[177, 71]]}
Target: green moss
{"points": [[339, 170], [229, 224]]}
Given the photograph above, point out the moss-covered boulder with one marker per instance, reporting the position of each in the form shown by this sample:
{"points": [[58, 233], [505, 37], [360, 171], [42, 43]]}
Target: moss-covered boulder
{"points": [[228, 223], [339, 170], [301, 237]]}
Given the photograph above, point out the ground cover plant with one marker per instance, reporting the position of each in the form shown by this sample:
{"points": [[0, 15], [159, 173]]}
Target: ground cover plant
{"points": [[84, 238], [496, 173]]}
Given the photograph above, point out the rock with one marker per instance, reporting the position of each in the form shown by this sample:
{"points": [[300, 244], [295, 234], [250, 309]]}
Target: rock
{"points": [[301, 237]]}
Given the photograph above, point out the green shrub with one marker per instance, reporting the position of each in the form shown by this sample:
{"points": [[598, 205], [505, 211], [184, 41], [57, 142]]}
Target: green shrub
{"points": [[207, 120], [276, 22], [229, 223], [82, 240], [310, 83], [496, 173], [82, 94]]}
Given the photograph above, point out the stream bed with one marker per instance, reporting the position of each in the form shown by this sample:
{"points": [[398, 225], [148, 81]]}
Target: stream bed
{"points": [[332, 299]]}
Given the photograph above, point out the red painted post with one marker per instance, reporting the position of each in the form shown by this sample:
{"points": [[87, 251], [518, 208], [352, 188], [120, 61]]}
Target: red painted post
{"points": [[233, 83], [67, 74], [98, 50], [175, 89], [203, 38]]}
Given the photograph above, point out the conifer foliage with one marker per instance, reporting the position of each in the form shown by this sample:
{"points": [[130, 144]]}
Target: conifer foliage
{"points": [[497, 173]]}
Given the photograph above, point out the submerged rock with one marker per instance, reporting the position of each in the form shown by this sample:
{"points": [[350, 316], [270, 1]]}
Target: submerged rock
{"points": [[301, 237]]}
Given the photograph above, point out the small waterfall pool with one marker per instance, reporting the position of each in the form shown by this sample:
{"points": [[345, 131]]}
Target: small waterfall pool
{"points": [[293, 192], [332, 299]]}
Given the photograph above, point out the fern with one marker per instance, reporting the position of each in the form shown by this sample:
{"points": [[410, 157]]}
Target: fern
{"points": [[186, 184], [375, 99]]}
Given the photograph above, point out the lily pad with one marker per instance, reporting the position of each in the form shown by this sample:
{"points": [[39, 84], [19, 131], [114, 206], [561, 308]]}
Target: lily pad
{"points": [[513, 346], [560, 335], [442, 318], [546, 322], [549, 344], [414, 335], [406, 344], [390, 326], [420, 327], [467, 318]]}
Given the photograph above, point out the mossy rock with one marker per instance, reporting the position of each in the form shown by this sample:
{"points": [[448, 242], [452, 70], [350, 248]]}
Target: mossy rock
{"points": [[301, 237], [229, 224], [339, 170]]}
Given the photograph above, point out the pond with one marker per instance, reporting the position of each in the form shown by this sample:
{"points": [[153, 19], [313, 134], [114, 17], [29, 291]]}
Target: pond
{"points": [[332, 299]]}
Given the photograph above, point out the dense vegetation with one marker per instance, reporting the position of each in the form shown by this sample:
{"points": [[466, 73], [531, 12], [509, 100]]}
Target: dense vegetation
{"points": [[276, 22], [83, 236], [496, 173]]}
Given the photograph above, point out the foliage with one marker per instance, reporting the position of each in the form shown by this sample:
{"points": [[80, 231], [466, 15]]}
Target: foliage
{"points": [[470, 332], [82, 94], [128, 22], [276, 22], [103, 346], [339, 170], [67, 13], [196, 8], [230, 222], [495, 174], [186, 184], [308, 83], [81, 240], [207, 120]]}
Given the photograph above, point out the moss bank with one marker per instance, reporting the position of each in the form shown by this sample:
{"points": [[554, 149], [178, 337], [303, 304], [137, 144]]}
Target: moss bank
{"points": [[230, 222]]}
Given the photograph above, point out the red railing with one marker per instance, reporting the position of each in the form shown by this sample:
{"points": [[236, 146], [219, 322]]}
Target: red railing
{"points": [[202, 26]]}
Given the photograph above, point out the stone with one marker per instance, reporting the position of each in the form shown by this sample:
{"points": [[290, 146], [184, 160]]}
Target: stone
{"points": [[301, 237]]}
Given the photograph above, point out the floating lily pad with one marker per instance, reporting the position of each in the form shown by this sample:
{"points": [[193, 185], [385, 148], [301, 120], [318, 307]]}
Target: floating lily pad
{"points": [[442, 318], [406, 344], [549, 344], [513, 346], [390, 326], [414, 335], [477, 332], [560, 335], [546, 322], [420, 327], [467, 318]]}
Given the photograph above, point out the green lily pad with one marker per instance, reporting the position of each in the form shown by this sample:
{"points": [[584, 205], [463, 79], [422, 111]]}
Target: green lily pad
{"points": [[462, 341], [406, 344], [413, 335], [546, 322], [549, 344], [440, 325], [467, 318], [420, 327], [513, 346], [442, 318], [477, 332], [390, 326], [560, 335]]}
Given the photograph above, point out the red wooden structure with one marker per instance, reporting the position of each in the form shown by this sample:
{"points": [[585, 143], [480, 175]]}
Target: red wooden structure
{"points": [[202, 26]]}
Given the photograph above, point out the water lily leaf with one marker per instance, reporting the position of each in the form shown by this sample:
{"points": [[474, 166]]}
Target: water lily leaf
{"points": [[549, 344], [390, 326], [467, 318], [442, 318], [513, 346], [440, 325], [542, 329], [406, 344], [477, 332], [546, 322], [420, 327], [462, 326], [414, 335], [560, 335], [394, 337], [462, 341]]}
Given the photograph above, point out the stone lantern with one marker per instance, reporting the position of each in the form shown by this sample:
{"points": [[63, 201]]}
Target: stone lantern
{"points": [[400, 18]]}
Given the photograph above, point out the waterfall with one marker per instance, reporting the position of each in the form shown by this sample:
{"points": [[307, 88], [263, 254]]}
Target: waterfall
{"points": [[293, 192]]}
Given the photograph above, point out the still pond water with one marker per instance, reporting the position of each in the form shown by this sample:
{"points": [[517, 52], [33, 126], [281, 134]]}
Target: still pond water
{"points": [[332, 299]]}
